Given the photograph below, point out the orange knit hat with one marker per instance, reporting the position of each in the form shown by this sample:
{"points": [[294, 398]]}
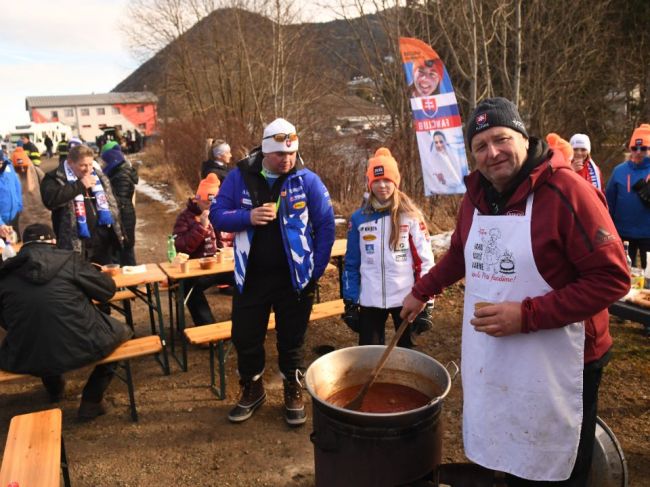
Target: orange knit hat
{"points": [[558, 144], [208, 188], [641, 136], [383, 166]]}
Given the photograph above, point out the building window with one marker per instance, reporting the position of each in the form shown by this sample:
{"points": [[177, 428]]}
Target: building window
{"points": [[55, 114], [101, 111], [140, 109], [115, 110], [68, 112], [142, 126], [102, 126], [86, 126], [85, 112]]}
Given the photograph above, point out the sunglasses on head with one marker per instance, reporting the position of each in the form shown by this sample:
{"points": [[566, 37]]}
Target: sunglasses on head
{"points": [[642, 148], [283, 137]]}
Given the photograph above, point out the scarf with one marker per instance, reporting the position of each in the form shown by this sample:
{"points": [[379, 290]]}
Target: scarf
{"points": [[593, 174], [104, 216]]}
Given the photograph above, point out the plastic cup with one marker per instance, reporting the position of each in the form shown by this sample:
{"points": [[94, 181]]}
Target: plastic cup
{"points": [[272, 206]]}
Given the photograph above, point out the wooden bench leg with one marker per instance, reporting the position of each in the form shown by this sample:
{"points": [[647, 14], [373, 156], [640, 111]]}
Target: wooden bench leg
{"points": [[64, 465]]}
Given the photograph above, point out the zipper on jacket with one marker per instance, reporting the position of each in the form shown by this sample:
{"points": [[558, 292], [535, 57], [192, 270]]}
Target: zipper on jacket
{"points": [[383, 267], [282, 202]]}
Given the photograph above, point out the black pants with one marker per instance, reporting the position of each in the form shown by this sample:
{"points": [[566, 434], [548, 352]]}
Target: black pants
{"points": [[591, 377], [372, 326], [97, 383], [250, 317], [642, 245], [197, 303]]}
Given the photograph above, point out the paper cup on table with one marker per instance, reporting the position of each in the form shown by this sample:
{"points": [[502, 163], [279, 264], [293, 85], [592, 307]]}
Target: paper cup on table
{"points": [[185, 267], [217, 256], [272, 206], [228, 253]]}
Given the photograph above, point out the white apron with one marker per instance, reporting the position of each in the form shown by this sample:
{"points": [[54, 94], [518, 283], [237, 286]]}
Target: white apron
{"points": [[522, 407]]}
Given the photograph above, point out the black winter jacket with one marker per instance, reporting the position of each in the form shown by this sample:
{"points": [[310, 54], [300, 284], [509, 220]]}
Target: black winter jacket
{"points": [[45, 306], [217, 167], [123, 179]]}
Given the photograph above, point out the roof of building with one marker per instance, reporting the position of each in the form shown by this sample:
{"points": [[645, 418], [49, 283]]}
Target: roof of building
{"points": [[92, 99]]}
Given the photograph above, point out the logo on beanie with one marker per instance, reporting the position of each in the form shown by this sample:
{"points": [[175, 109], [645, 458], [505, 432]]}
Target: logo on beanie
{"points": [[482, 122], [287, 142], [378, 171], [638, 142], [517, 123]]}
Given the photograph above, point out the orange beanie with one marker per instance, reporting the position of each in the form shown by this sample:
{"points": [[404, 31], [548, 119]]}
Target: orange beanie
{"points": [[208, 188], [383, 166], [558, 144], [641, 135]]}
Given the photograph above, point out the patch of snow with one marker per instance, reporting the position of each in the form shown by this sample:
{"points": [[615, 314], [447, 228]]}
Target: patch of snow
{"points": [[156, 194], [441, 242]]}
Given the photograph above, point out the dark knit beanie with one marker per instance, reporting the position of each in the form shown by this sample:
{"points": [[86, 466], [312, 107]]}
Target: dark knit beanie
{"points": [[494, 112], [37, 232]]}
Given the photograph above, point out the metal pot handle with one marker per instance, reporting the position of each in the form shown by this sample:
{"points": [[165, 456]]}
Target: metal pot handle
{"points": [[299, 377], [455, 369], [452, 374]]}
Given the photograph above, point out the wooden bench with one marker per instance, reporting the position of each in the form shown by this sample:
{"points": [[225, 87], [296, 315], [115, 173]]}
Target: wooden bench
{"points": [[217, 333], [122, 355], [34, 453]]}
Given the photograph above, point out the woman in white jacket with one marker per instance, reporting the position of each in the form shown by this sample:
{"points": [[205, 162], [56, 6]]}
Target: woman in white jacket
{"points": [[388, 248]]}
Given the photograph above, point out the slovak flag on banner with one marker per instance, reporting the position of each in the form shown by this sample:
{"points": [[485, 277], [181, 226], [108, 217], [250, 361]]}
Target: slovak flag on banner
{"points": [[436, 119]]}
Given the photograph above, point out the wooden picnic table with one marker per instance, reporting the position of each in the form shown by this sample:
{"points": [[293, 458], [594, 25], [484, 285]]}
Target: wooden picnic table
{"points": [[151, 278], [225, 264]]}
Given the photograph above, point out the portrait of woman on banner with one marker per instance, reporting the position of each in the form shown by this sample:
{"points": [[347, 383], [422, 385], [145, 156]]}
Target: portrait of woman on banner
{"points": [[443, 170]]}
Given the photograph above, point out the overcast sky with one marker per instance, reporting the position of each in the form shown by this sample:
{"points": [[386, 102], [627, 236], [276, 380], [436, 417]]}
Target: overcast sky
{"points": [[65, 47]]}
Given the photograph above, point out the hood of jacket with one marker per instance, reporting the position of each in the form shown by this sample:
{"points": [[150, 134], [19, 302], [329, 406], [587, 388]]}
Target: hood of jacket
{"points": [[37, 263]]}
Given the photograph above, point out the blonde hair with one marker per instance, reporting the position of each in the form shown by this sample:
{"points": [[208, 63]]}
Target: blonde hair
{"points": [[400, 204]]}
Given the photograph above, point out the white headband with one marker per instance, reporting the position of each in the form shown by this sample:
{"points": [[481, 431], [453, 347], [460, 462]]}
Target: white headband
{"points": [[220, 150]]}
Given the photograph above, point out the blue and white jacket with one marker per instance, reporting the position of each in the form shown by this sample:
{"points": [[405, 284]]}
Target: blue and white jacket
{"points": [[305, 212], [631, 217], [375, 275]]}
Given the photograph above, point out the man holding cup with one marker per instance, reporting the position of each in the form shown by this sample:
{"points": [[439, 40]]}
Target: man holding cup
{"points": [[277, 260], [542, 262]]}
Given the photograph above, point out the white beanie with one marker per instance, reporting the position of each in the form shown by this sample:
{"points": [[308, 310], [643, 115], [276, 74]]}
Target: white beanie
{"points": [[279, 126], [580, 141]]}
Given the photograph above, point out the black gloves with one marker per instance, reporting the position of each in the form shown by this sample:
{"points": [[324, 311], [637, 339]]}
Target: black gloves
{"points": [[424, 320], [643, 190], [351, 315]]}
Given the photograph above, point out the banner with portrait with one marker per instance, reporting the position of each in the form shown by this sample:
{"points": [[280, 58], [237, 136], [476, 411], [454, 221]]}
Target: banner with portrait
{"points": [[436, 119]]}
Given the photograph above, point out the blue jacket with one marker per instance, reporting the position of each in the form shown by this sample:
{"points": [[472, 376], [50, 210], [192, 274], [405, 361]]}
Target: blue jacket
{"points": [[630, 215], [11, 196], [305, 211]]}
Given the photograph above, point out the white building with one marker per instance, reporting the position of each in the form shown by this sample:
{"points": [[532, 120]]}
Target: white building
{"points": [[89, 114]]}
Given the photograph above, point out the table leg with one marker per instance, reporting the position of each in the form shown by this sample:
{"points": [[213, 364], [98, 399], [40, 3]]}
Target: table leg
{"points": [[161, 323]]}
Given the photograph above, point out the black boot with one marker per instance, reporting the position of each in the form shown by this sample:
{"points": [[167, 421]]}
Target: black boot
{"points": [[294, 407], [252, 396]]}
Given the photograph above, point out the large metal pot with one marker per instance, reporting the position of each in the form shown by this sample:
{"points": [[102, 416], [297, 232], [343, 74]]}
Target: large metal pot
{"points": [[357, 448]]}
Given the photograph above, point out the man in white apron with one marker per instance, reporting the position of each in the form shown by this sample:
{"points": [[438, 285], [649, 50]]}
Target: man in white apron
{"points": [[535, 325]]}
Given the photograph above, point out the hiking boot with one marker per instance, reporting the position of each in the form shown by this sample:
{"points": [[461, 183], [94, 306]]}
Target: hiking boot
{"points": [[252, 397], [294, 407], [90, 410]]}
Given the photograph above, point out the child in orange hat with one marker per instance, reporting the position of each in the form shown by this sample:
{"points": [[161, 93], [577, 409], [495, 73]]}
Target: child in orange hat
{"points": [[388, 249], [196, 237]]}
